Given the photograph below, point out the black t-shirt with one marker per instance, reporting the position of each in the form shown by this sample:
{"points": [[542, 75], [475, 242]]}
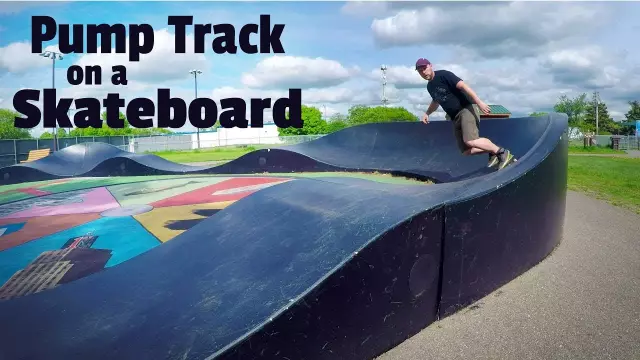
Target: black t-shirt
{"points": [[443, 90]]}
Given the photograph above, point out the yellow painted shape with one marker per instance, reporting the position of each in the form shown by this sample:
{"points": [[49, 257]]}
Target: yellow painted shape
{"points": [[155, 220]]}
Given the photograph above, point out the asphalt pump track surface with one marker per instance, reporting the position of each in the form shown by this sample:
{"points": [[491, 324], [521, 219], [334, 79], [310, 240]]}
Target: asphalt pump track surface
{"points": [[111, 255]]}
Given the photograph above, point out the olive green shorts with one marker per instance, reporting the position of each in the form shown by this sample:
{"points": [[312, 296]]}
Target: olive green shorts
{"points": [[466, 127]]}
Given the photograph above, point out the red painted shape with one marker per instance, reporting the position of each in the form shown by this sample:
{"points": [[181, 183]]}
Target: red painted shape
{"points": [[34, 191], [206, 194]]}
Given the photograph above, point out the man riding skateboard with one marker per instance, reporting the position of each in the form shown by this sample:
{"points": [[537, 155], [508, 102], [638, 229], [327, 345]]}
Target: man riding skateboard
{"points": [[450, 92]]}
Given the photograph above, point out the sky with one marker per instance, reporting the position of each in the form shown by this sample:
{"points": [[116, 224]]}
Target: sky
{"points": [[522, 55]]}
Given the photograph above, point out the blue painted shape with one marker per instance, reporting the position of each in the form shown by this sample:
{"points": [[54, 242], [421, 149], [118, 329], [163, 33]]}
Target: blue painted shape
{"points": [[124, 236], [11, 228], [637, 127]]}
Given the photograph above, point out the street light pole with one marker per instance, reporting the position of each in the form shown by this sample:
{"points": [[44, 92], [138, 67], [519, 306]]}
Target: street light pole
{"points": [[195, 73], [595, 96], [53, 55]]}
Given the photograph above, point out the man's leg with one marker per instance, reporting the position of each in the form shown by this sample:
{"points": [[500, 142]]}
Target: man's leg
{"points": [[469, 123], [457, 131], [469, 128], [474, 151], [471, 137]]}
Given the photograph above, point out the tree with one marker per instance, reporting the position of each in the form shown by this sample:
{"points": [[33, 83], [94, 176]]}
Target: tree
{"points": [[574, 108], [357, 115], [313, 124], [49, 134], [337, 122], [127, 130], [537, 113], [606, 125], [634, 110], [360, 114], [8, 130]]}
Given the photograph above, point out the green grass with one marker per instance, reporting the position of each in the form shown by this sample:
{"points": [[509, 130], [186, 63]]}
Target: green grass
{"points": [[579, 149], [616, 180], [203, 155]]}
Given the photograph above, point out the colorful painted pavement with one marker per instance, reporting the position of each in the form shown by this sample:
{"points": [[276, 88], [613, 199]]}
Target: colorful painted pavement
{"points": [[55, 232]]}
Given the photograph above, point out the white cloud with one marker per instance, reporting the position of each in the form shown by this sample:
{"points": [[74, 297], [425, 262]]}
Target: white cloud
{"points": [[614, 74], [365, 8], [130, 91], [381, 8], [589, 66], [334, 95], [401, 77], [334, 99], [245, 93], [329, 111], [283, 71], [482, 27], [160, 65], [18, 58], [14, 7], [405, 77]]}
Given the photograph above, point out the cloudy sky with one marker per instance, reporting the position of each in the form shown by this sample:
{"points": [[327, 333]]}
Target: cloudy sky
{"points": [[522, 55]]}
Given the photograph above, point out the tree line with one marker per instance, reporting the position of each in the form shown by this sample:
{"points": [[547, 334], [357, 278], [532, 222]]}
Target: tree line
{"points": [[9, 131], [581, 112], [314, 124]]}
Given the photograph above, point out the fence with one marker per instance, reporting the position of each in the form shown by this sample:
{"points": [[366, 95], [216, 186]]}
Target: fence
{"points": [[210, 140], [627, 142], [14, 151]]}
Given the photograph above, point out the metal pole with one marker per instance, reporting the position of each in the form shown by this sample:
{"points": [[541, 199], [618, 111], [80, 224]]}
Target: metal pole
{"points": [[195, 73], [53, 83], [53, 55], [15, 151], [195, 78], [596, 96]]}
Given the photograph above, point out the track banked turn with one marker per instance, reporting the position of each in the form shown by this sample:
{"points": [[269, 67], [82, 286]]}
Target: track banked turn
{"points": [[328, 268]]}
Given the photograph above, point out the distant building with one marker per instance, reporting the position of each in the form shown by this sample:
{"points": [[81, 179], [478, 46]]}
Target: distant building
{"points": [[497, 112]]}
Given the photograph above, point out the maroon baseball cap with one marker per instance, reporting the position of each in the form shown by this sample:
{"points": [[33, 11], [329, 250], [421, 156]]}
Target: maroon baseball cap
{"points": [[422, 62]]}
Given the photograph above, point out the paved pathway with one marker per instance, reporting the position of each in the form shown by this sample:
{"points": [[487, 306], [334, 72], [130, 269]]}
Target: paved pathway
{"points": [[582, 302]]}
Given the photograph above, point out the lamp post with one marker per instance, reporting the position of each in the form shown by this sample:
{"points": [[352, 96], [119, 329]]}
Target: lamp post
{"points": [[595, 97], [53, 55], [195, 73]]}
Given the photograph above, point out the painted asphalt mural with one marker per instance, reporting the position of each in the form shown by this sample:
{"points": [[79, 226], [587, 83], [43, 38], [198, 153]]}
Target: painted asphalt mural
{"points": [[53, 233]]}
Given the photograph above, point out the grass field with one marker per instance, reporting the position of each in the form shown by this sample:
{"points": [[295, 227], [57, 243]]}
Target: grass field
{"points": [[204, 155], [614, 179]]}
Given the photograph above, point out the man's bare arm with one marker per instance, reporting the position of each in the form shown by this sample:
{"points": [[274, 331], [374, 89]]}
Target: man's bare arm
{"points": [[432, 107], [467, 89]]}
